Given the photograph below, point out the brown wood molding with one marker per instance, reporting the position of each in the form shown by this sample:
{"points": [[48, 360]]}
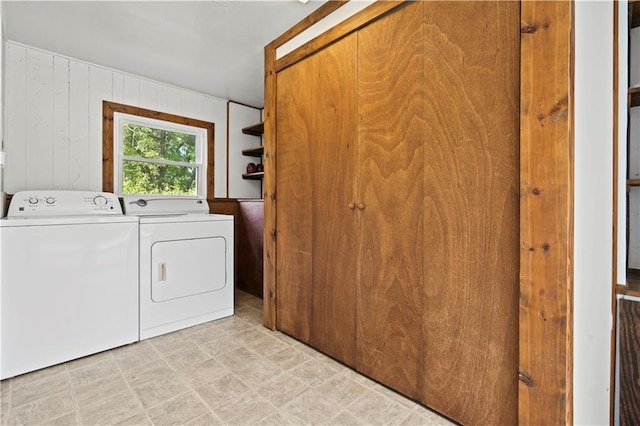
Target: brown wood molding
{"points": [[546, 213], [269, 189], [109, 108], [316, 16], [360, 19]]}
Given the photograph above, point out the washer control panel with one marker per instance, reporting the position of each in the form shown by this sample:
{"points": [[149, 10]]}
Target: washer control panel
{"points": [[27, 204]]}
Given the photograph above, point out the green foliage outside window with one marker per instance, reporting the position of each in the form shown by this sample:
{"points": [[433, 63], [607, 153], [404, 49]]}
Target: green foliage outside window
{"points": [[140, 177]]}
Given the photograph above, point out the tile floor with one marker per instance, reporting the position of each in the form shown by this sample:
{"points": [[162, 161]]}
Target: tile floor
{"points": [[231, 371]]}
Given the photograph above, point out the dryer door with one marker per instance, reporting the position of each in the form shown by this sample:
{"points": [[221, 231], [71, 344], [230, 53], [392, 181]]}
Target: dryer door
{"points": [[182, 268]]}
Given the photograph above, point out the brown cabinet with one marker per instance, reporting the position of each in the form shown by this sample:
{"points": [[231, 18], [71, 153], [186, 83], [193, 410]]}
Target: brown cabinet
{"points": [[628, 350], [397, 204]]}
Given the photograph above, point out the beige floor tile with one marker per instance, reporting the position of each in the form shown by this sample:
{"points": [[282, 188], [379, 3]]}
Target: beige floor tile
{"points": [[37, 375], [93, 372], [313, 372], [157, 386], [250, 336], [201, 374], [135, 354], [267, 345], [69, 419], [5, 401], [376, 409], [249, 313], [42, 410], [257, 372], [221, 345], [340, 390], [140, 419], [421, 417], [278, 419], [27, 391], [223, 390], [288, 358], [208, 419], [110, 410], [186, 358], [87, 360], [105, 388], [282, 389], [170, 342], [178, 411], [248, 409], [233, 324], [311, 408], [347, 419], [206, 332], [239, 358]]}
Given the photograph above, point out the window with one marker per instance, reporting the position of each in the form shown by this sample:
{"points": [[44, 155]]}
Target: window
{"points": [[148, 152]]}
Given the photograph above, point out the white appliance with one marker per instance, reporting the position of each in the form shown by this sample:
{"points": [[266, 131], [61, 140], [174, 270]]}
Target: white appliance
{"points": [[68, 280], [186, 262]]}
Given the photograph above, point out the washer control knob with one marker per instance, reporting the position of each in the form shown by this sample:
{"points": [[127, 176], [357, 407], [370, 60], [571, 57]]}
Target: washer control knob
{"points": [[33, 200], [99, 200], [50, 200]]}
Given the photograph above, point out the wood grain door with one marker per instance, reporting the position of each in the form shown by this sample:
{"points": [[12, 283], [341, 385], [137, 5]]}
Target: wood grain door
{"points": [[294, 163], [471, 229], [390, 198], [333, 191], [316, 188]]}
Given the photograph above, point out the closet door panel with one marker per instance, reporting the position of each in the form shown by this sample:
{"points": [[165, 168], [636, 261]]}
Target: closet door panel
{"points": [[390, 188], [471, 230], [294, 218], [333, 162]]}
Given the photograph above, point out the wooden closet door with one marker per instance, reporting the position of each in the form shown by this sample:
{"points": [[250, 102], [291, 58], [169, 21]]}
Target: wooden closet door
{"points": [[471, 202], [333, 191], [294, 163], [316, 181], [390, 186]]}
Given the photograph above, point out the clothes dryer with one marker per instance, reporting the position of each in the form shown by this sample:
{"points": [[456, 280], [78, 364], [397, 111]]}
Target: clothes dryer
{"points": [[186, 263]]}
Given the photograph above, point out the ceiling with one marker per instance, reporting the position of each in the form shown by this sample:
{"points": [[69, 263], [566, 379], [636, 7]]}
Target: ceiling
{"points": [[212, 46]]}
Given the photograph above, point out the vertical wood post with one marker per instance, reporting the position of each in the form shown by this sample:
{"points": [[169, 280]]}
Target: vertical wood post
{"points": [[546, 213], [269, 160]]}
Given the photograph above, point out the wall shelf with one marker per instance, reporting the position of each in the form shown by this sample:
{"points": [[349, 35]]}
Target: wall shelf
{"points": [[253, 152], [255, 129], [634, 97], [253, 176]]}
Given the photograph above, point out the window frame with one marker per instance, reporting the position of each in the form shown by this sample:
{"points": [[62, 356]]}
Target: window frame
{"points": [[110, 153]]}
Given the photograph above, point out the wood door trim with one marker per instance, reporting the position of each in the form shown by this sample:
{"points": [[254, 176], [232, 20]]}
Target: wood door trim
{"points": [[546, 213], [343, 29]]}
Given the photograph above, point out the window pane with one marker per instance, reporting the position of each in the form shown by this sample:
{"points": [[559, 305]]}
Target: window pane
{"points": [[146, 178], [147, 142]]}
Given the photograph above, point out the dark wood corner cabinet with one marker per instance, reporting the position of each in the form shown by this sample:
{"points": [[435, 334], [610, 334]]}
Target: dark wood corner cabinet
{"points": [[396, 239], [258, 151]]}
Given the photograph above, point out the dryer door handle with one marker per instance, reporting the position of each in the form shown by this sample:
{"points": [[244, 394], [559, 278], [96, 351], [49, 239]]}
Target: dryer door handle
{"points": [[163, 272]]}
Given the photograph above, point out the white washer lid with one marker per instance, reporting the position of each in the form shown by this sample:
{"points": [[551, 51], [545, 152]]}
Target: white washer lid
{"points": [[154, 205]]}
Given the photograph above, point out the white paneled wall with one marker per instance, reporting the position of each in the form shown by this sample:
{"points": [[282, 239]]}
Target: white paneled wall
{"points": [[53, 118]]}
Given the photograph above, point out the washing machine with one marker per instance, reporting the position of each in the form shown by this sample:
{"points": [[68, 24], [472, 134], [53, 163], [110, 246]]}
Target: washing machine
{"points": [[186, 262], [68, 278]]}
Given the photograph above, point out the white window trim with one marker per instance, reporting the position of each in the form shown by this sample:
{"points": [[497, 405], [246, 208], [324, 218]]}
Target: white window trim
{"points": [[120, 119]]}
